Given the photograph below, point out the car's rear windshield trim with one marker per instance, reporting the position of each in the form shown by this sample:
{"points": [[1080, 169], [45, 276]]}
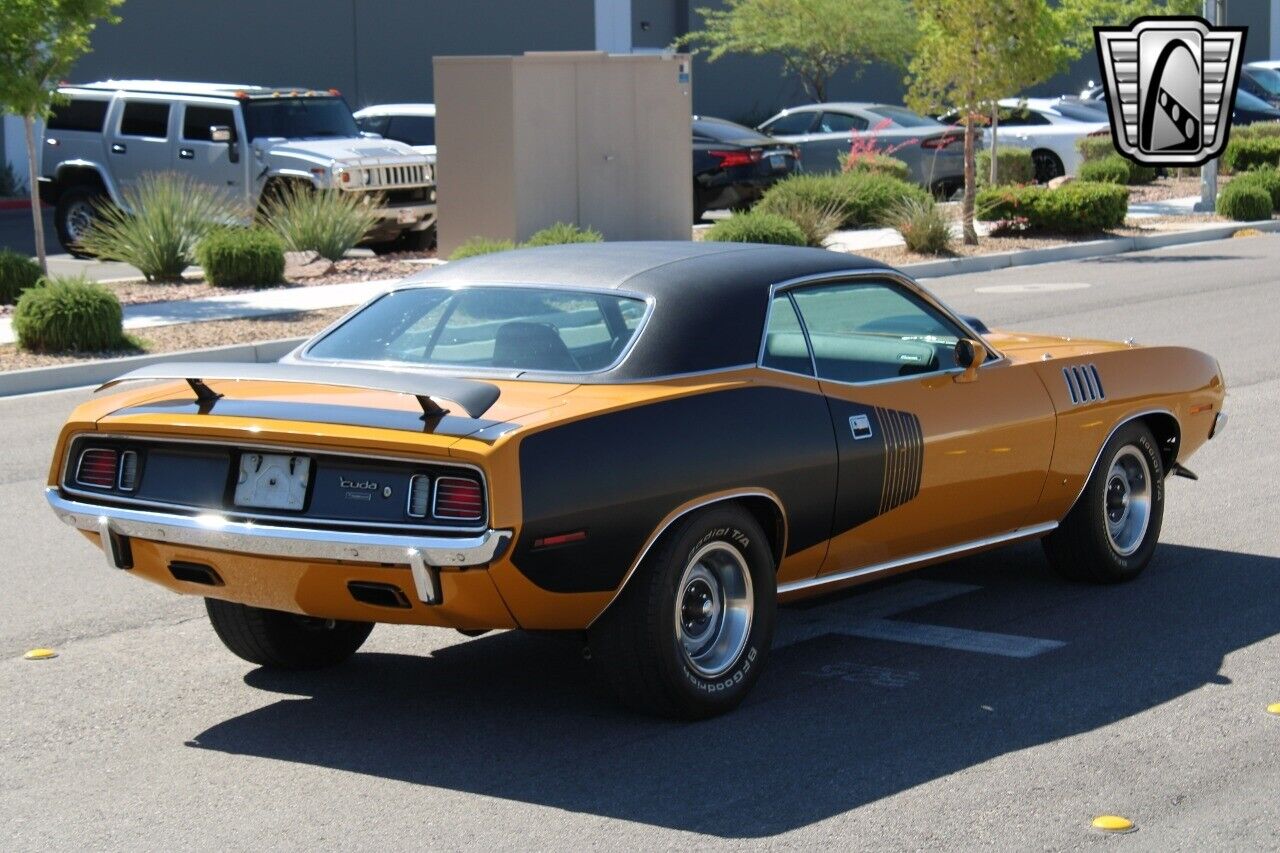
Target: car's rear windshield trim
{"points": [[489, 372]]}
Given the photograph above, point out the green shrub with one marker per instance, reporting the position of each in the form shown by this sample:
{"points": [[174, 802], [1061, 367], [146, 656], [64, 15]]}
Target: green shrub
{"points": [[563, 232], [1244, 202], [1247, 153], [69, 314], [1266, 179], [242, 257], [327, 222], [1257, 130], [1095, 146], [17, 273], [480, 246], [1108, 170], [167, 215], [876, 164], [861, 197], [1081, 206], [757, 227], [924, 227], [815, 220], [1013, 166]]}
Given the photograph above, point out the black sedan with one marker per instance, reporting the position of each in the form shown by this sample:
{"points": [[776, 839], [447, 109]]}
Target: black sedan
{"points": [[733, 165]]}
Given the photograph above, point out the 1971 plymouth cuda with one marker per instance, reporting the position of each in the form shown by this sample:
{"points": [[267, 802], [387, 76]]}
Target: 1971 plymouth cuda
{"points": [[651, 443]]}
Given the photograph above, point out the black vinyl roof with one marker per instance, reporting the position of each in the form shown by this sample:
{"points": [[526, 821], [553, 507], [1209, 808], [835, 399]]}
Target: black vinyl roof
{"points": [[709, 299]]}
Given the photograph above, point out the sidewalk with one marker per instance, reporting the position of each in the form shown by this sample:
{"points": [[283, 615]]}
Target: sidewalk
{"points": [[239, 305]]}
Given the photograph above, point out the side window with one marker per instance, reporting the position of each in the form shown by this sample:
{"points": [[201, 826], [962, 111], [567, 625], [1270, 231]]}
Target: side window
{"points": [[841, 123], [1021, 117], [374, 124], [791, 124], [872, 330], [196, 122], [784, 345], [412, 130], [79, 114], [145, 118]]}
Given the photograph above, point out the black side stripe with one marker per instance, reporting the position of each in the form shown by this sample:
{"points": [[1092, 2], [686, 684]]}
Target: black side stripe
{"points": [[904, 457]]}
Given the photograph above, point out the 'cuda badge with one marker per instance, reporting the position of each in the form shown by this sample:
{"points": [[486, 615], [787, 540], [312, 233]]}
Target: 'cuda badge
{"points": [[363, 485]]}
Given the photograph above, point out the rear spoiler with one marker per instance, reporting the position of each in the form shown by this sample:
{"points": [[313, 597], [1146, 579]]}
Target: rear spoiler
{"points": [[472, 396]]}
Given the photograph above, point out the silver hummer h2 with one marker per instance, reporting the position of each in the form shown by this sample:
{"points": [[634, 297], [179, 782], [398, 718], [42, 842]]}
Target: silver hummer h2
{"points": [[244, 140]]}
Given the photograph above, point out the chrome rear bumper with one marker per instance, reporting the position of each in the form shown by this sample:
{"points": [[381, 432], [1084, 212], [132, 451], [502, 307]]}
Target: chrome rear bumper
{"points": [[424, 555]]}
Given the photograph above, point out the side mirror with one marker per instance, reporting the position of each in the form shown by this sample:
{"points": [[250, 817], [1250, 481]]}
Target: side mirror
{"points": [[223, 133], [970, 355]]}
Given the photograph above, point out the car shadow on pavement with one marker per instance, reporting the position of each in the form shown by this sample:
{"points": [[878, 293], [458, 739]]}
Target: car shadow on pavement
{"points": [[836, 722]]}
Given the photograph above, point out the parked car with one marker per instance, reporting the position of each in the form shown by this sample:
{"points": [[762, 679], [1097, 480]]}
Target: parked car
{"points": [[242, 140], [733, 165], [412, 124], [1248, 108], [932, 151], [648, 443], [1049, 127], [1261, 83]]}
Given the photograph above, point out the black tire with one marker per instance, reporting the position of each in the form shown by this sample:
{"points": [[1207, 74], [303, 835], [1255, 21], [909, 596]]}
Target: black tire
{"points": [[1083, 548], [637, 644], [284, 640], [74, 204], [418, 241], [1047, 165]]}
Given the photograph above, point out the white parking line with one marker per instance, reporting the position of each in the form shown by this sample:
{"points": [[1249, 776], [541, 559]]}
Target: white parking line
{"points": [[867, 616]]}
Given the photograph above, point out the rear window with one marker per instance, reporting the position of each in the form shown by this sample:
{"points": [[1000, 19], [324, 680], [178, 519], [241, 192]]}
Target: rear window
{"points": [[725, 131], [145, 118], [503, 328], [79, 114]]}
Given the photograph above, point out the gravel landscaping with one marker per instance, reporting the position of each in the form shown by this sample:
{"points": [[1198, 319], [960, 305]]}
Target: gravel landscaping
{"points": [[187, 336]]}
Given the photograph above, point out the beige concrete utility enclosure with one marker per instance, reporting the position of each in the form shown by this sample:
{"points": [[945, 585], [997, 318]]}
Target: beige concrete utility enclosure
{"points": [[600, 140]]}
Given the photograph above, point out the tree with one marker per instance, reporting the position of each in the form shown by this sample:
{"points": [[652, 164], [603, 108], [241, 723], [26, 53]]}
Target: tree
{"points": [[971, 53], [40, 40], [814, 38]]}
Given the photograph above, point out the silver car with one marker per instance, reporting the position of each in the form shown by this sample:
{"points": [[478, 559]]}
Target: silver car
{"points": [[933, 152]]}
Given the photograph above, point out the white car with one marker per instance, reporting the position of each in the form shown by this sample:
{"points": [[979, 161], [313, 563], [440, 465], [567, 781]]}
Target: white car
{"points": [[412, 124], [1050, 128]]}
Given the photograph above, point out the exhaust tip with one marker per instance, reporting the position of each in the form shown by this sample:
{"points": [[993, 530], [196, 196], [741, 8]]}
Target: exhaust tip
{"points": [[378, 594], [194, 573]]}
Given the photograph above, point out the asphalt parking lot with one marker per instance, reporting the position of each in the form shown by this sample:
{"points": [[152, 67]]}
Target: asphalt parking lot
{"points": [[979, 703]]}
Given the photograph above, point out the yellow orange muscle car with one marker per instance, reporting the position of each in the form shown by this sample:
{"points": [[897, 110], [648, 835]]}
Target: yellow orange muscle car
{"points": [[651, 443]]}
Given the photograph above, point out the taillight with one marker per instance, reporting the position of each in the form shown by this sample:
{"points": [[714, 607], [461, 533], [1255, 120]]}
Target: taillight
{"points": [[98, 468], [934, 143], [729, 159], [419, 494], [128, 478], [795, 151], [458, 498]]}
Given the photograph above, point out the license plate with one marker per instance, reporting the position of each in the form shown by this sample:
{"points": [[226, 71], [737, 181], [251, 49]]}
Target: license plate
{"points": [[778, 161], [272, 480], [404, 217]]}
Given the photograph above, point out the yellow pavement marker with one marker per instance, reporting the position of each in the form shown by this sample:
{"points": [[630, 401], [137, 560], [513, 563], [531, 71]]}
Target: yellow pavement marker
{"points": [[1113, 823], [1274, 708], [40, 654]]}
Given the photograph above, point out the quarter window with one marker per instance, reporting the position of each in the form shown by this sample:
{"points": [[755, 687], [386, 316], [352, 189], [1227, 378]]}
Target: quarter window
{"points": [[145, 118], [868, 331], [784, 345], [78, 114], [196, 122]]}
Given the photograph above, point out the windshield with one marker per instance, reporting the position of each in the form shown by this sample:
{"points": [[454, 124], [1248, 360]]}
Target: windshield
{"points": [[1083, 112], [505, 328], [902, 116], [298, 118], [1267, 79]]}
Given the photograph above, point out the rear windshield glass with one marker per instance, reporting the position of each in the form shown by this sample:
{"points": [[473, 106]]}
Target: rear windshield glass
{"points": [[902, 116], [725, 131], [504, 328]]}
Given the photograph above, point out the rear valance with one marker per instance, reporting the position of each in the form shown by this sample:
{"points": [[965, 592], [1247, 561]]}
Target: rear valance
{"points": [[474, 397]]}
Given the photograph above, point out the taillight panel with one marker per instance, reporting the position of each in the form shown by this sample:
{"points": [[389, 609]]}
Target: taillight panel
{"points": [[97, 467], [458, 498]]}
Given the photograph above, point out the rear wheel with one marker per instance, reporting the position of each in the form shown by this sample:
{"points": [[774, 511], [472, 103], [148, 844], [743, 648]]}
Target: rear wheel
{"points": [[1111, 533], [73, 216], [1047, 165], [689, 635], [280, 640]]}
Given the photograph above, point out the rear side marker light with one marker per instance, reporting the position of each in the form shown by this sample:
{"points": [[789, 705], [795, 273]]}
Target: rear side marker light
{"points": [[419, 496], [560, 539], [98, 468], [459, 499], [128, 479]]}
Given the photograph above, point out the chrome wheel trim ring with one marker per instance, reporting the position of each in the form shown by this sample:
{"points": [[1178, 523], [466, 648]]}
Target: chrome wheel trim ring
{"points": [[78, 220], [1126, 502], [714, 608]]}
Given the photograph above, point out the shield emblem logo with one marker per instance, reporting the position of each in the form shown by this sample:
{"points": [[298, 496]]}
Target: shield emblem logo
{"points": [[1171, 86]]}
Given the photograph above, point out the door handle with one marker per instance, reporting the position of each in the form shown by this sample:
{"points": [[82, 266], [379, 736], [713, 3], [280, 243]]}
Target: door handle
{"points": [[186, 154], [118, 148]]}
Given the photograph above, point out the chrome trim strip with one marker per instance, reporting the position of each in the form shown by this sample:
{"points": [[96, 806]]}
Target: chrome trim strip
{"points": [[161, 439], [1219, 424], [1114, 430], [927, 556], [216, 532], [681, 513]]}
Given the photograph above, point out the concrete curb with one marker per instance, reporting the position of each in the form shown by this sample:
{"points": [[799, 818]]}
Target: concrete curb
{"points": [[96, 372], [1081, 251]]}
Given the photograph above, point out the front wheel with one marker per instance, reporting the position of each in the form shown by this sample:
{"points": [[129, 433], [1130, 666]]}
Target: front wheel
{"points": [[73, 216], [280, 640], [689, 635], [1111, 533]]}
